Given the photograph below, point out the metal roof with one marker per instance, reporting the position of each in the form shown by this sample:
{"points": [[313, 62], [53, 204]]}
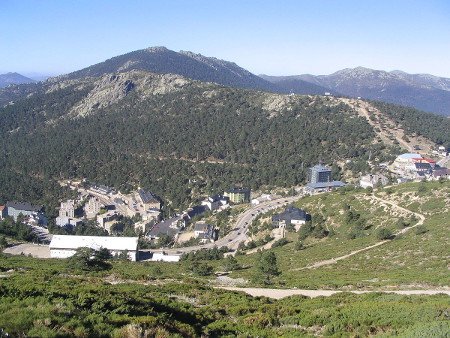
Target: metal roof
{"points": [[94, 242], [24, 206]]}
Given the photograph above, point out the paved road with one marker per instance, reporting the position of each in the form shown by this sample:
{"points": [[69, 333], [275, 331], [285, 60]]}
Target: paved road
{"points": [[281, 293], [239, 232]]}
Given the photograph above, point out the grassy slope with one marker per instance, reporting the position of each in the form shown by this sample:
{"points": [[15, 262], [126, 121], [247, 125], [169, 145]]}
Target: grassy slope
{"points": [[409, 260], [51, 300]]}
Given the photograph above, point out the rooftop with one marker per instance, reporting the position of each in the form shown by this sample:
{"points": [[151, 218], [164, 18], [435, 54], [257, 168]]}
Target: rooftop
{"points": [[24, 206], [146, 196], [200, 226], [235, 190], [94, 242], [291, 213], [321, 185], [408, 156], [165, 228], [320, 167]]}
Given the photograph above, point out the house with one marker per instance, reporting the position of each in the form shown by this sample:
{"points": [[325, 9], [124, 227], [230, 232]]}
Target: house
{"points": [[238, 195], [440, 172], [373, 181], [2, 211], [290, 216], [148, 200], [216, 202], [170, 227], [190, 213], [64, 246], [260, 199], [107, 219], [205, 232], [92, 207], [67, 221], [320, 180], [14, 209]]}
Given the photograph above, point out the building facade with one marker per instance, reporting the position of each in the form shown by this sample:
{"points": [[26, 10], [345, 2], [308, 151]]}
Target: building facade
{"points": [[64, 246], [238, 195]]}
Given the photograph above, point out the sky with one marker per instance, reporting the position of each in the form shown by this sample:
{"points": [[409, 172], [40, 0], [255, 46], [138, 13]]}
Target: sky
{"points": [[279, 37]]}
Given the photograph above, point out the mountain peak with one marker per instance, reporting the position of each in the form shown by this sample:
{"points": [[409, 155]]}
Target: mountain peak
{"points": [[157, 49]]}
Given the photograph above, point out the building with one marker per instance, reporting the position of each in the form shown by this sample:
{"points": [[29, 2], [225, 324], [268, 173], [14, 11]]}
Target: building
{"points": [[373, 181], [170, 227], [67, 221], [319, 174], [195, 211], [216, 202], [2, 211], [163, 257], [92, 207], [205, 232], [148, 200], [64, 246], [413, 166], [320, 180], [67, 209], [238, 195], [107, 219], [290, 216], [261, 199], [14, 209]]}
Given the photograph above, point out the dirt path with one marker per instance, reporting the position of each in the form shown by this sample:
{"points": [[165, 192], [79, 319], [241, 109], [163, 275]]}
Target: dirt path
{"points": [[282, 293], [385, 133], [420, 217]]}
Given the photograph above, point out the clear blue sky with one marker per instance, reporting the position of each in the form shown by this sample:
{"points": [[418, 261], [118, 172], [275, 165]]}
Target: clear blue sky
{"points": [[280, 37]]}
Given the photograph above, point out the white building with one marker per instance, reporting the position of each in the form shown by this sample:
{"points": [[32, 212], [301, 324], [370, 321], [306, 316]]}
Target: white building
{"points": [[92, 207], [373, 180], [162, 257], [64, 246], [260, 199]]}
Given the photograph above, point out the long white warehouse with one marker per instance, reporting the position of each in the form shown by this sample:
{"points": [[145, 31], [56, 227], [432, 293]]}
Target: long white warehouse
{"points": [[64, 246]]}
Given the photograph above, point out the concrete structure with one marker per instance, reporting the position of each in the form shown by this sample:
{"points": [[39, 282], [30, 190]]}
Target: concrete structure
{"points": [[64, 246], [107, 219], [216, 202], [373, 180], [319, 173], [291, 216], [413, 166], [14, 209], [238, 195], [170, 227], [67, 221], [67, 209], [92, 207], [205, 232], [260, 199], [163, 257], [148, 200], [320, 180]]}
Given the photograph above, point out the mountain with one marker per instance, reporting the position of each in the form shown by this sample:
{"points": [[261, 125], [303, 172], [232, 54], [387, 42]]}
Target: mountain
{"points": [[183, 138], [422, 91], [13, 78], [293, 84], [193, 66]]}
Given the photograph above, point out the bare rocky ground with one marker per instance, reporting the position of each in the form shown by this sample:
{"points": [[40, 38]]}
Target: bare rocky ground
{"points": [[35, 250]]}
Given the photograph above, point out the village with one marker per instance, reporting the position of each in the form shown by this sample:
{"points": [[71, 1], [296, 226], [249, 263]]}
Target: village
{"points": [[186, 231]]}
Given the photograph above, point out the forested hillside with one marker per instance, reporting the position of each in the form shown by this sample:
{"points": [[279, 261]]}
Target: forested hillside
{"points": [[175, 136]]}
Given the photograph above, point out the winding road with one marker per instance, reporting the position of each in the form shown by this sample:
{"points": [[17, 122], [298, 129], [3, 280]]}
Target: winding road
{"points": [[239, 232]]}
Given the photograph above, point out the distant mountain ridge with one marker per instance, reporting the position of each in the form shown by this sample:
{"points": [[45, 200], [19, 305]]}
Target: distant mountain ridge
{"points": [[13, 78], [421, 91], [191, 65]]}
